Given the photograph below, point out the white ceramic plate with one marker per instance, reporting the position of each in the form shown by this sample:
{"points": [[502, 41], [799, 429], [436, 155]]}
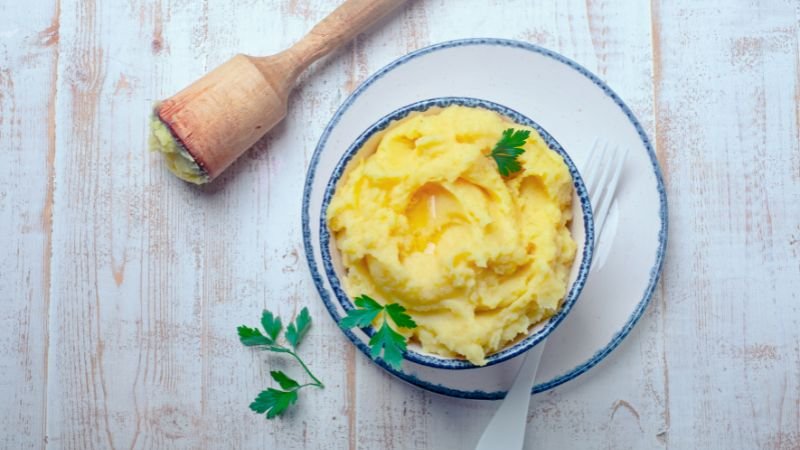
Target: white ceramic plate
{"points": [[576, 108]]}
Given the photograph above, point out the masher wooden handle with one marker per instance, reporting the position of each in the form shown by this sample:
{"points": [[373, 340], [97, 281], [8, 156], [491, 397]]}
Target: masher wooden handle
{"points": [[340, 27], [224, 113]]}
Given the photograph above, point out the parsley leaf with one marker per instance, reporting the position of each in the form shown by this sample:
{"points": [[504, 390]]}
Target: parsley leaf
{"points": [[272, 324], [399, 316], [391, 342], [284, 380], [252, 336], [368, 310], [507, 149], [299, 328], [367, 302], [273, 402], [386, 340]]}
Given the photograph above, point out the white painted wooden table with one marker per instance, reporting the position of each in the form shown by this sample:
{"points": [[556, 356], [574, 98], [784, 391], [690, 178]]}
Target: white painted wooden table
{"points": [[121, 286]]}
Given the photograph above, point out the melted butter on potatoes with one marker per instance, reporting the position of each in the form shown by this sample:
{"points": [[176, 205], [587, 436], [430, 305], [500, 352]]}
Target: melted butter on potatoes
{"points": [[427, 221]]}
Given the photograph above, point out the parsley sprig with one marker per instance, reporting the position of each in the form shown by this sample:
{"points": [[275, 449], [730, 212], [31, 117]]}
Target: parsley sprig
{"points": [[273, 401], [507, 149], [386, 339]]}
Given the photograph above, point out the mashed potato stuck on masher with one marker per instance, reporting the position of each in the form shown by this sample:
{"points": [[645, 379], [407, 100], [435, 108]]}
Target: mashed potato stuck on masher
{"points": [[427, 221]]}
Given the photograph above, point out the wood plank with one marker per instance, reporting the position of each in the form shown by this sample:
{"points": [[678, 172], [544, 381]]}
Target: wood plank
{"points": [[128, 242], [28, 59], [252, 229], [726, 101], [153, 274]]}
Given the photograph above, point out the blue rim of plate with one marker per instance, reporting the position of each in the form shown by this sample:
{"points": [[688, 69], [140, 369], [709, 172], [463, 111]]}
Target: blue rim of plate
{"points": [[655, 271], [580, 189]]}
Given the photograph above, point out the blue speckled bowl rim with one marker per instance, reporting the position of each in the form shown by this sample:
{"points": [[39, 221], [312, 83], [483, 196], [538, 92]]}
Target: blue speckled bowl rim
{"points": [[531, 340], [655, 271]]}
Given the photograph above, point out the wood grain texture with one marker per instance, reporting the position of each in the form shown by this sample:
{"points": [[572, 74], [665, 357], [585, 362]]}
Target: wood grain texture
{"points": [[28, 59], [727, 134], [122, 286]]}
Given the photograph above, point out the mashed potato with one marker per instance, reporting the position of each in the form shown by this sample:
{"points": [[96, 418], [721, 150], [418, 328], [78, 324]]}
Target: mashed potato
{"points": [[178, 160], [427, 221]]}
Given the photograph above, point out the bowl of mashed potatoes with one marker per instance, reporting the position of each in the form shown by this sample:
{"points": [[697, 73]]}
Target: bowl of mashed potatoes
{"points": [[417, 212]]}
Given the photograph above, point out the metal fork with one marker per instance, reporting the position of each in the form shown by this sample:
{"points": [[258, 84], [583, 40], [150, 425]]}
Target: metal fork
{"points": [[506, 430]]}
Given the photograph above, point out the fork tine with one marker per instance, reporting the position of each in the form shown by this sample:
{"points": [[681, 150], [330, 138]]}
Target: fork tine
{"points": [[599, 183], [617, 161], [587, 166], [592, 163]]}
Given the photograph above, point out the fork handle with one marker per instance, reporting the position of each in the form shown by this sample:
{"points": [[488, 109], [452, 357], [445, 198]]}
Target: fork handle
{"points": [[506, 430]]}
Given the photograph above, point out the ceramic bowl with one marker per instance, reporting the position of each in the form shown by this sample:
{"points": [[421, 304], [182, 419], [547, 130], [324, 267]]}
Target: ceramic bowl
{"points": [[576, 107], [581, 228]]}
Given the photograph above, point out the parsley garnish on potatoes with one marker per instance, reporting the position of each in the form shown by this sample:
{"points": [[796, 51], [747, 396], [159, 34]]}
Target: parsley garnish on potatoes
{"points": [[385, 339], [507, 149]]}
